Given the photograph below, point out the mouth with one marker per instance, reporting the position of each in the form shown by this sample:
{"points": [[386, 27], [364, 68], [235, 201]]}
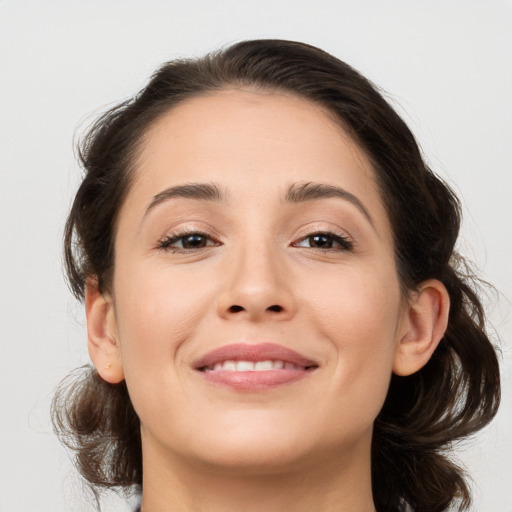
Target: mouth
{"points": [[254, 367], [251, 366]]}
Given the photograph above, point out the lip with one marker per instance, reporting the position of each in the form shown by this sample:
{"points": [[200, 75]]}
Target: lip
{"points": [[254, 380]]}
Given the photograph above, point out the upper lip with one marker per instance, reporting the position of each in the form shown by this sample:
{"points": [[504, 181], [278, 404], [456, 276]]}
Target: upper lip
{"points": [[253, 352]]}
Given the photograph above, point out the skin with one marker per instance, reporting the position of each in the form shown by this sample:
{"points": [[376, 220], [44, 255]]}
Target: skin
{"points": [[300, 446]]}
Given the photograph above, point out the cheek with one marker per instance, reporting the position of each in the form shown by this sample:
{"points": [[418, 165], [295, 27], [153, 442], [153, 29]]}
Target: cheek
{"points": [[356, 305], [157, 310], [360, 318]]}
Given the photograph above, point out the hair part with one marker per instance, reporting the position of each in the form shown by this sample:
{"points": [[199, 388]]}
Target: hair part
{"points": [[415, 428]]}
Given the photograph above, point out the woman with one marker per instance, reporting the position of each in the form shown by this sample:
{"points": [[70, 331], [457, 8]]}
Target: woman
{"points": [[276, 315]]}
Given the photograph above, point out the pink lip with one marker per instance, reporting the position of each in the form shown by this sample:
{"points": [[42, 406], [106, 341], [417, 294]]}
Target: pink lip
{"points": [[254, 353], [254, 380]]}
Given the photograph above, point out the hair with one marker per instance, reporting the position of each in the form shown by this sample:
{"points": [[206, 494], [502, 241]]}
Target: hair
{"points": [[453, 396]]}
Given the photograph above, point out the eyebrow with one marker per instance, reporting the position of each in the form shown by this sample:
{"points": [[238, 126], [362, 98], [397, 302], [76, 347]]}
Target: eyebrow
{"points": [[302, 192], [296, 193], [200, 191]]}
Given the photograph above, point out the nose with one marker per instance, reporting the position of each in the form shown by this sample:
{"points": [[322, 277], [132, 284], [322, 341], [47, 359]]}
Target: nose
{"points": [[257, 287]]}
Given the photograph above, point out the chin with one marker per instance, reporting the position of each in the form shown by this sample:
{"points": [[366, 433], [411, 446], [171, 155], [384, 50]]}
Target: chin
{"points": [[251, 444], [260, 458]]}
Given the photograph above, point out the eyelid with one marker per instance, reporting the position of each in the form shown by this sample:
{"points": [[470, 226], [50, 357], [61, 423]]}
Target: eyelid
{"points": [[342, 241], [164, 243], [312, 228], [345, 240]]}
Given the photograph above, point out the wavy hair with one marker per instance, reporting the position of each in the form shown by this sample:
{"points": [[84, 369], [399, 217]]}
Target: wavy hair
{"points": [[453, 396]]}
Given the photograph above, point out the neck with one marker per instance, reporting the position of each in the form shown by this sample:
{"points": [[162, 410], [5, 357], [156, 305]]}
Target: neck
{"points": [[172, 483]]}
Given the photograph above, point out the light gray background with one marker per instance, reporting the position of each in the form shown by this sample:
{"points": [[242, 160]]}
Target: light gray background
{"points": [[446, 64]]}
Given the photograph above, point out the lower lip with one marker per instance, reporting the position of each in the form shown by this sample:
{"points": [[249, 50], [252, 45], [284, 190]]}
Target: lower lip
{"points": [[255, 380]]}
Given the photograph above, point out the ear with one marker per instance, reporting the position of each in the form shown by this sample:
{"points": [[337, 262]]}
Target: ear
{"points": [[425, 322], [102, 333]]}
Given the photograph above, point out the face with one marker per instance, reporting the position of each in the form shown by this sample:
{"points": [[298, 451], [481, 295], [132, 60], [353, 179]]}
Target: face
{"points": [[255, 302]]}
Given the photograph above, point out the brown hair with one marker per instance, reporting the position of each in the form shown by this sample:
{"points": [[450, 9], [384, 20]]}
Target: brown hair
{"points": [[454, 395]]}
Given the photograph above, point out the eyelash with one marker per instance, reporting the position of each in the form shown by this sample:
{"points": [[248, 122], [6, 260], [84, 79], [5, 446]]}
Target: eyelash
{"points": [[344, 243], [166, 242]]}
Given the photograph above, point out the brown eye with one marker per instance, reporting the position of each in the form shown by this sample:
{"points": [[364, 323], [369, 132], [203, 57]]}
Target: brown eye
{"points": [[325, 241], [186, 242], [320, 241], [195, 241]]}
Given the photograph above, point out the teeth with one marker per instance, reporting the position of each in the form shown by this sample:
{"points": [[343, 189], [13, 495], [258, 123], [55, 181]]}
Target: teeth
{"points": [[264, 365], [250, 366], [244, 366]]}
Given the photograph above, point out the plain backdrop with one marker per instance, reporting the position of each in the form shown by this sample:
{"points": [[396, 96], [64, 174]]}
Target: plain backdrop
{"points": [[445, 65]]}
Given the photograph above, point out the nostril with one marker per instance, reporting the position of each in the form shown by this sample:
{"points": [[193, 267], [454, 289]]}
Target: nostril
{"points": [[275, 308], [235, 309]]}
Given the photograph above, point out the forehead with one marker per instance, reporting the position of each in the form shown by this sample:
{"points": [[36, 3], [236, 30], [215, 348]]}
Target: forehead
{"points": [[249, 140]]}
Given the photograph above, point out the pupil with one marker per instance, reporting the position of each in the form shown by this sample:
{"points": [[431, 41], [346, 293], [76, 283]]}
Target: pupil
{"points": [[321, 241], [194, 241]]}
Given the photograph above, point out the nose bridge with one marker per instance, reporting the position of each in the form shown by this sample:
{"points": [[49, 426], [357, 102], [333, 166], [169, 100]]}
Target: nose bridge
{"points": [[256, 285]]}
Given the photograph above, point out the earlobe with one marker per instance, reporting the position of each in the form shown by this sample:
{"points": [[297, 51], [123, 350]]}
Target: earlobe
{"points": [[102, 333], [426, 320]]}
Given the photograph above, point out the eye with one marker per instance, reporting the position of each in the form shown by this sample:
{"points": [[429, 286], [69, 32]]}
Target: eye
{"points": [[325, 241], [185, 242]]}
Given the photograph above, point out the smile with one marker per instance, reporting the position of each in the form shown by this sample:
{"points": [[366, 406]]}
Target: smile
{"points": [[251, 366], [254, 367]]}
